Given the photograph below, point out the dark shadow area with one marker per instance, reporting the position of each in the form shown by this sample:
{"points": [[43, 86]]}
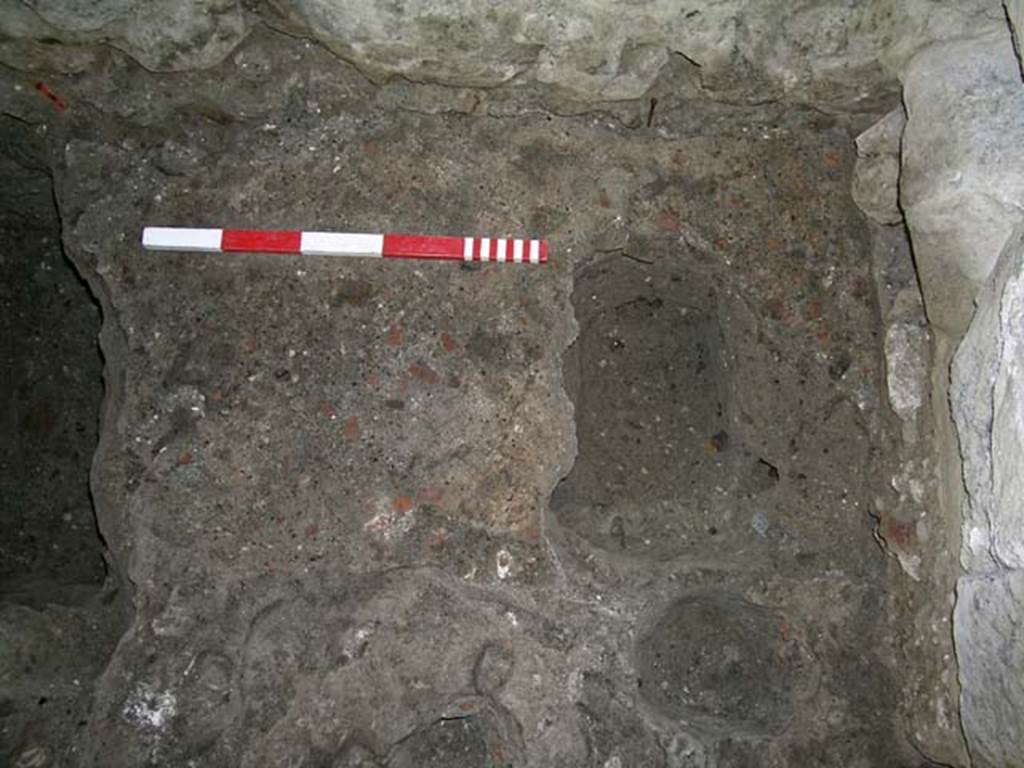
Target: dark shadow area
{"points": [[57, 627], [52, 382]]}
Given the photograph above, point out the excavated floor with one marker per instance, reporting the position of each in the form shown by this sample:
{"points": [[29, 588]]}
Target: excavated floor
{"points": [[612, 511]]}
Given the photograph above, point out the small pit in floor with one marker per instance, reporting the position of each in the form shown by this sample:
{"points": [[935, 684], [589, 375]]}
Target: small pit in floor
{"points": [[719, 662], [648, 380]]}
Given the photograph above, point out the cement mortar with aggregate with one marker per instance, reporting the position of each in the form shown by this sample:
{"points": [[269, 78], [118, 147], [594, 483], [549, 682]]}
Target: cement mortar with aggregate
{"points": [[326, 485]]}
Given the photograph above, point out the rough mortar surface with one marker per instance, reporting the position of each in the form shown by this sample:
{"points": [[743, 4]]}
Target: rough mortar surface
{"points": [[614, 511]]}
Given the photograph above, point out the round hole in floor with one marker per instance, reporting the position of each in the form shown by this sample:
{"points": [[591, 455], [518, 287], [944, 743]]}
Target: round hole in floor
{"points": [[719, 662]]}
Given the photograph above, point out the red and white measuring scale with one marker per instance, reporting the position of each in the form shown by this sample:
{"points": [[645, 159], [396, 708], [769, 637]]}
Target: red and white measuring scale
{"points": [[498, 249]]}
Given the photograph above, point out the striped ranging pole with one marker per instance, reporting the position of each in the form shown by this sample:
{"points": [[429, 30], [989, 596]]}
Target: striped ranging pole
{"points": [[499, 249]]}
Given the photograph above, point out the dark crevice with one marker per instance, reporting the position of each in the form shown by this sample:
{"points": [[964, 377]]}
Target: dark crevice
{"points": [[59, 615], [54, 375]]}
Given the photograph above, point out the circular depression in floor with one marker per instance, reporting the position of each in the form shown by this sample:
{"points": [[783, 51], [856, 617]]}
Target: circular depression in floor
{"points": [[716, 661]]}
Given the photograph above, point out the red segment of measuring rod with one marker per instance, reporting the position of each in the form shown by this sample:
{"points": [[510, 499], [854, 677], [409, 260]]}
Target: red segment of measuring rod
{"points": [[543, 245], [423, 247], [261, 241]]}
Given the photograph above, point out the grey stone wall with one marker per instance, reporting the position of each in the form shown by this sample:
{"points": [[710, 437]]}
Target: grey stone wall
{"points": [[961, 185], [988, 403], [958, 168], [962, 198], [834, 53]]}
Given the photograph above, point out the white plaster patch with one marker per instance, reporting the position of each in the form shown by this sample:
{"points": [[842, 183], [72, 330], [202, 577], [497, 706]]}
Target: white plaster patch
{"points": [[390, 524], [356, 643], [149, 709], [503, 563]]}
